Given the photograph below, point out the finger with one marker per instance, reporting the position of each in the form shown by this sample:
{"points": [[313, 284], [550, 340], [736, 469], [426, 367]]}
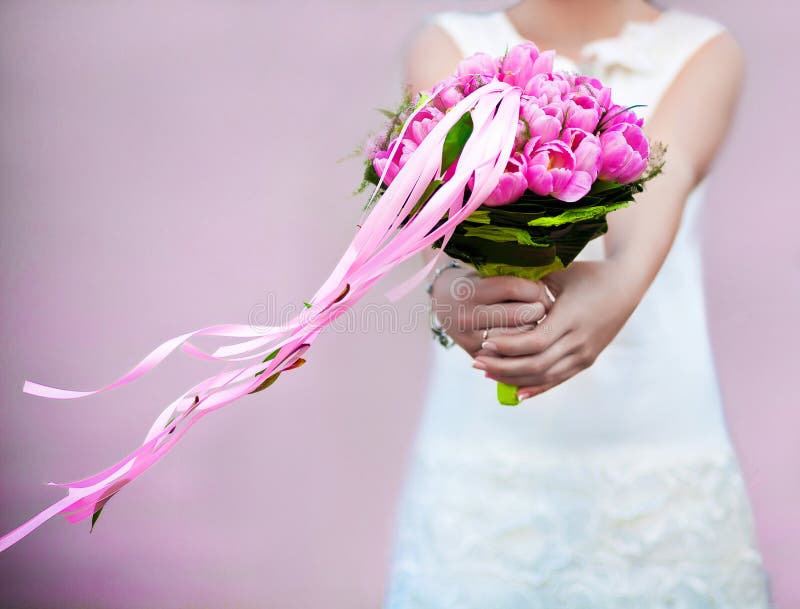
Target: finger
{"points": [[542, 337], [526, 369], [506, 315], [526, 393], [508, 331], [486, 337], [506, 288], [558, 323], [559, 373]]}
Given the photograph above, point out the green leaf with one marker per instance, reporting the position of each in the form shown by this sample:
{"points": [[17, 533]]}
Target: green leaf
{"points": [[266, 383], [390, 114], [534, 273], [432, 187], [266, 359], [578, 214], [502, 234], [480, 216], [96, 515], [307, 305], [456, 139], [601, 185]]}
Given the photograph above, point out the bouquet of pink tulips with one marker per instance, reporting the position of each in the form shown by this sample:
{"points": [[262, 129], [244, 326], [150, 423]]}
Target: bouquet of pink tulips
{"points": [[576, 156], [505, 165]]}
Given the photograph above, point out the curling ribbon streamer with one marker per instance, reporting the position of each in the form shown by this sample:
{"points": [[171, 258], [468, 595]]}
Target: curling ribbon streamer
{"points": [[388, 235]]}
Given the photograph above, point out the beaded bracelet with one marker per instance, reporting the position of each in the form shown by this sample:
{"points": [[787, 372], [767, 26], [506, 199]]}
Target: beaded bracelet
{"points": [[437, 329], [450, 265]]}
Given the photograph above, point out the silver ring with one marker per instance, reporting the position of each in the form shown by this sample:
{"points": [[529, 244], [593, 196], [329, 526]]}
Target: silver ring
{"points": [[485, 334]]}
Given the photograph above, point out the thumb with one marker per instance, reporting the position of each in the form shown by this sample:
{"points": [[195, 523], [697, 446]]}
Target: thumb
{"points": [[555, 282]]}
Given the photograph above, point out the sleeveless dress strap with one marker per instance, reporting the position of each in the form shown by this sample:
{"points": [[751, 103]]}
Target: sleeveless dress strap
{"points": [[680, 35]]}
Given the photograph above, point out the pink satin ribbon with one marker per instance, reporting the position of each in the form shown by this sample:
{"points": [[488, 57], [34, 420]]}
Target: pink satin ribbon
{"points": [[386, 238]]}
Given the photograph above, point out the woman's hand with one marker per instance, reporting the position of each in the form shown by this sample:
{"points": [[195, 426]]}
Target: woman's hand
{"points": [[467, 306], [593, 301]]}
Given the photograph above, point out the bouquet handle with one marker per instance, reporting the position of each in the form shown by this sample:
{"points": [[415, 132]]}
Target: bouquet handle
{"points": [[507, 394]]}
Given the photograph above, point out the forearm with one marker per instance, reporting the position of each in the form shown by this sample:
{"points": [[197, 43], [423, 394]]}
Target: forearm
{"points": [[640, 237]]}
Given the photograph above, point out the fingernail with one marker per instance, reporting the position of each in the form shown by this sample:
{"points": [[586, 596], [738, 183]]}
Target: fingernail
{"points": [[523, 395], [478, 365], [489, 346]]}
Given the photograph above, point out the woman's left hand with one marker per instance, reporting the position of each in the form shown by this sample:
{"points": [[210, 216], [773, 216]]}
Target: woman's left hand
{"points": [[592, 303]]}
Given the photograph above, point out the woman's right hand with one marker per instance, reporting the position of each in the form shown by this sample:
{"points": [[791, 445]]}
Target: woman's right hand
{"points": [[469, 307]]}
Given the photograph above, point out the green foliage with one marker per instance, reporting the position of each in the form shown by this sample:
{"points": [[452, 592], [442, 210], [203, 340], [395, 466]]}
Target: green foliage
{"points": [[268, 382], [271, 356], [502, 234], [456, 139], [578, 214], [95, 516], [534, 273]]}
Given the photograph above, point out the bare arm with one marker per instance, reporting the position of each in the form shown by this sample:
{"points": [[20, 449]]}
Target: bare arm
{"points": [[594, 299], [692, 119]]}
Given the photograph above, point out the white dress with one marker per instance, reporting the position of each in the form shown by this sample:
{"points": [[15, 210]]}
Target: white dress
{"points": [[618, 489]]}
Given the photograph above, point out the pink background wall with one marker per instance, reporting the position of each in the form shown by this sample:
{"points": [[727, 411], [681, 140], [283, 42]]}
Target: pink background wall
{"points": [[167, 165]]}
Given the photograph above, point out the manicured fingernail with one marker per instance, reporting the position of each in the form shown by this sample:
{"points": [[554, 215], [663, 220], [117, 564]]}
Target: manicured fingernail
{"points": [[478, 365], [489, 346], [523, 395]]}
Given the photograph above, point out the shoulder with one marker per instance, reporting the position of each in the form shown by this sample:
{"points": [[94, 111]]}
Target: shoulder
{"points": [[704, 95], [695, 47], [710, 37], [471, 32], [432, 55], [717, 52], [444, 39]]}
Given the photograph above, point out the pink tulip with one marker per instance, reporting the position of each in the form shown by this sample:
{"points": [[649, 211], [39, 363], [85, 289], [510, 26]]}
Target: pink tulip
{"points": [[624, 153], [523, 62], [584, 85], [583, 112], [449, 96], [548, 88], [512, 183], [619, 115], [586, 148], [551, 170], [392, 166], [422, 124], [476, 71], [543, 122]]}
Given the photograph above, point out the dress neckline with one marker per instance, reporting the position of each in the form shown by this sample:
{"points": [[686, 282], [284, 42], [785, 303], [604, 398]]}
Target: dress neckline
{"points": [[586, 50]]}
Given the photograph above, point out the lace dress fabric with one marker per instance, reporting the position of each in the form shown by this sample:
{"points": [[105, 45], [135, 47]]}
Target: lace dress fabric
{"points": [[618, 489]]}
